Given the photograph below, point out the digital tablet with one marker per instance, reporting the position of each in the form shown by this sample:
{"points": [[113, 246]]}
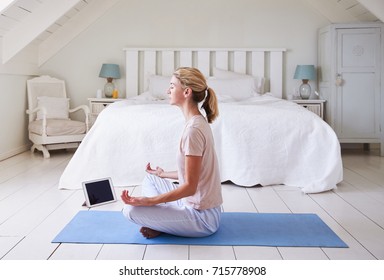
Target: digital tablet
{"points": [[99, 192]]}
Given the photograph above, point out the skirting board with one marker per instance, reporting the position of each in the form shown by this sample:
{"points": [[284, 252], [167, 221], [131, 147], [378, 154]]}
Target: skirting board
{"points": [[14, 152]]}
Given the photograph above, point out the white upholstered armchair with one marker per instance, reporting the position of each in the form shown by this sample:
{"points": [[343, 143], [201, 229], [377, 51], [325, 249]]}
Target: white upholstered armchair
{"points": [[50, 127]]}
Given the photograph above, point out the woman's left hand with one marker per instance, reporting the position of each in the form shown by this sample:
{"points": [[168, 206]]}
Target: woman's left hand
{"points": [[158, 171], [135, 201]]}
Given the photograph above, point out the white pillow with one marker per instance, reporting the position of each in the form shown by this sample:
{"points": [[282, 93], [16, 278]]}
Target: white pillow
{"points": [[57, 107], [224, 74], [238, 89], [158, 86]]}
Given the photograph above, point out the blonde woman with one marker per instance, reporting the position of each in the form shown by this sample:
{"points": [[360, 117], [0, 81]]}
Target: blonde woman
{"points": [[192, 207]]}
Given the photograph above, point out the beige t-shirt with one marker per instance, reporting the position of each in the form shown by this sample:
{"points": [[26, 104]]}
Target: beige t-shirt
{"points": [[197, 140]]}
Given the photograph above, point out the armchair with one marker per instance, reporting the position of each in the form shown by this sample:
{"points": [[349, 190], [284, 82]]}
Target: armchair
{"points": [[50, 127]]}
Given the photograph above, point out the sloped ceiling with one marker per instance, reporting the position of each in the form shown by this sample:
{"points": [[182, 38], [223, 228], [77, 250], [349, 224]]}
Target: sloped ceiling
{"points": [[342, 11], [51, 24]]}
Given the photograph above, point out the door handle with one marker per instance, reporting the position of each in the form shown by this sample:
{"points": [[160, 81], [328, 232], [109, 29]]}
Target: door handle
{"points": [[339, 80]]}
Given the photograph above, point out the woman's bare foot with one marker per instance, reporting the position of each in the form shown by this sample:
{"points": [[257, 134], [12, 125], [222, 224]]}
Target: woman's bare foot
{"points": [[149, 233]]}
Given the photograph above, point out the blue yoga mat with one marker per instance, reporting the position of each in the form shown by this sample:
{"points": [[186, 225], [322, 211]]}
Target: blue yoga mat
{"points": [[237, 229]]}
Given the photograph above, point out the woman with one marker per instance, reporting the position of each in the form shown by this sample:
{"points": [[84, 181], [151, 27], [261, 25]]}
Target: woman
{"points": [[191, 208]]}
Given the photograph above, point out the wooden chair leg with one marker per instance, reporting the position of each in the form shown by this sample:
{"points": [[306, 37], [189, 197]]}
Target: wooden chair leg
{"points": [[41, 148], [45, 152], [33, 148]]}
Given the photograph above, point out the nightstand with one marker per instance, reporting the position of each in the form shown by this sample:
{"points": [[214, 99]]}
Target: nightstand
{"points": [[96, 105], [314, 105]]}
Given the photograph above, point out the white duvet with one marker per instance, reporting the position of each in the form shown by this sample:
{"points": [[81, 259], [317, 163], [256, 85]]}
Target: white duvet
{"points": [[261, 140]]}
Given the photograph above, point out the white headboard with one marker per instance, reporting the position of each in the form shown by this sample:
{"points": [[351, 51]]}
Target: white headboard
{"points": [[143, 62]]}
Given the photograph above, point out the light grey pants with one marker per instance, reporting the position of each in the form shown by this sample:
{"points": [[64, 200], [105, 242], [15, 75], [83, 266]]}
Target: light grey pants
{"points": [[172, 217]]}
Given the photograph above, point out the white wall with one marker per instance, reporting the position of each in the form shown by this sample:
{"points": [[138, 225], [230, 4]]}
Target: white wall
{"points": [[13, 101], [13, 123], [199, 23], [290, 24]]}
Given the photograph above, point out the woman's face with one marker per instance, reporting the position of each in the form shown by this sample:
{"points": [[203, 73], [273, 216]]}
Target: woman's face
{"points": [[176, 92]]}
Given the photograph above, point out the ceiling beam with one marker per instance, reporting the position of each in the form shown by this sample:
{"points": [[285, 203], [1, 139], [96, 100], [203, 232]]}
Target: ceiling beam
{"points": [[376, 7], [35, 24], [331, 10], [72, 28], [4, 4]]}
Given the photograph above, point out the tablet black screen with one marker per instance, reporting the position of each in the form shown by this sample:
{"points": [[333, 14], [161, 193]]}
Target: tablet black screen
{"points": [[99, 192]]}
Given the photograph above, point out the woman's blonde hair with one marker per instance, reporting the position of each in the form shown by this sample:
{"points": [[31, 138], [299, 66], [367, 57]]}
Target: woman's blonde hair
{"points": [[194, 79]]}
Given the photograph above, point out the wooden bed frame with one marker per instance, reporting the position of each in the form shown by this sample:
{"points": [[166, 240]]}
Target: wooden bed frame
{"points": [[143, 62]]}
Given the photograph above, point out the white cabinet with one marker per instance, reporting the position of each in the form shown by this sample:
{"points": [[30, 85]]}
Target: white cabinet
{"points": [[97, 105], [314, 105], [350, 76]]}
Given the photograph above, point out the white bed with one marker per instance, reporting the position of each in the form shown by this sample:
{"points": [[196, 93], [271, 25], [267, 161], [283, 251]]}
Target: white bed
{"points": [[259, 138]]}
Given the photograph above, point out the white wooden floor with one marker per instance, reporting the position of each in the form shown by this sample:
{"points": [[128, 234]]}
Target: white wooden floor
{"points": [[33, 211]]}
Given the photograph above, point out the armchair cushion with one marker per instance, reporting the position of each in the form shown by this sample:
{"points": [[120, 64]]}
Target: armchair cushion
{"points": [[56, 127], [57, 107]]}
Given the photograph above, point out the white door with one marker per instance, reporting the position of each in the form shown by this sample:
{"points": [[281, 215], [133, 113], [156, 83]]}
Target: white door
{"points": [[358, 93]]}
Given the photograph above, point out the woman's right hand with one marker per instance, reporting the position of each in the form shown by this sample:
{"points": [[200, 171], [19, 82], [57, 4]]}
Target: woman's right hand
{"points": [[158, 171], [137, 201]]}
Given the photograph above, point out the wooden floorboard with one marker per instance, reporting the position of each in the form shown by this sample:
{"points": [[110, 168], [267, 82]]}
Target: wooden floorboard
{"points": [[33, 211], [121, 252]]}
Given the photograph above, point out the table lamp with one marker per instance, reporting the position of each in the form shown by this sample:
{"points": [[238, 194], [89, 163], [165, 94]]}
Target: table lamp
{"points": [[109, 71], [305, 73]]}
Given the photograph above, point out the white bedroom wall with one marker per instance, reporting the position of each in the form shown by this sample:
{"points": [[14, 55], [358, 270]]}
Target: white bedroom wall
{"points": [[290, 24], [200, 23], [13, 101], [12, 114]]}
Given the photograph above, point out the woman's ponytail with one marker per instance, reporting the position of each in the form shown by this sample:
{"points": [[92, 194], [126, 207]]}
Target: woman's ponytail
{"points": [[210, 105]]}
